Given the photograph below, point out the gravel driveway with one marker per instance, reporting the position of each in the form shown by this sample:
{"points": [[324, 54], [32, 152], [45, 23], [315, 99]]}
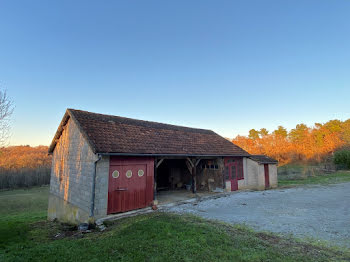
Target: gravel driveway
{"points": [[320, 212]]}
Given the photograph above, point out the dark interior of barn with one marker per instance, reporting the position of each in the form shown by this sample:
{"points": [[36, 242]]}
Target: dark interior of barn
{"points": [[173, 174]]}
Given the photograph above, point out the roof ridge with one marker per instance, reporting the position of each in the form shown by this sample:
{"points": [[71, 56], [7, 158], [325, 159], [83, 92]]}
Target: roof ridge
{"points": [[136, 121]]}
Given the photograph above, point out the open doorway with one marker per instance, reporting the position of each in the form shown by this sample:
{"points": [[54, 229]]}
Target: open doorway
{"points": [[173, 174], [174, 181]]}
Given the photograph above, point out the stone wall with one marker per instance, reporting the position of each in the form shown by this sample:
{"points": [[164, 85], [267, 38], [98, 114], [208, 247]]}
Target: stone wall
{"points": [[71, 177], [209, 179], [101, 190]]}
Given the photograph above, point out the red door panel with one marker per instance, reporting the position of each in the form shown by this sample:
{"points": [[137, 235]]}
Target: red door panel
{"points": [[233, 167], [233, 176], [267, 176], [130, 183]]}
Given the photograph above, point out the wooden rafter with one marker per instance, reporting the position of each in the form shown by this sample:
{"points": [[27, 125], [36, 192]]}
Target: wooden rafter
{"points": [[189, 166], [190, 161], [158, 162]]}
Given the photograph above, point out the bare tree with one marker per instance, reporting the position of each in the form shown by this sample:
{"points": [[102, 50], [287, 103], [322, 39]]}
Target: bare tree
{"points": [[6, 110]]}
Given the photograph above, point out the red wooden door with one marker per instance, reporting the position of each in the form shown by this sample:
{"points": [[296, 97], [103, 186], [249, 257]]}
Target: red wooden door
{"points": [[267, 176], [130, 185], [231, 170], [233, 176]]}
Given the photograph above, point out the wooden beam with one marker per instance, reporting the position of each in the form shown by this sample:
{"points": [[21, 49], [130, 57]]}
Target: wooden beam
{"points": [[155, 184], [159, 162], [194, 175], [189, 166], [197, 162], [190, 161]]}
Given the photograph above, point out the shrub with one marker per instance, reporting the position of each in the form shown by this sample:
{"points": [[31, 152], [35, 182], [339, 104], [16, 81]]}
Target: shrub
{"points": [[342, 158]]}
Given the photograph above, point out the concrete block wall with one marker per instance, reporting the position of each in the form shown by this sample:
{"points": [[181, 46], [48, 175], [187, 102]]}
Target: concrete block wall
{"points": [[101, 189], [71, 176], [273, 175], [252, 175], [261, 177]]}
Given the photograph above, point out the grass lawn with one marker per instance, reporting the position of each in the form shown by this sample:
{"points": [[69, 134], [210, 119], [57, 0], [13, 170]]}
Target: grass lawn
{"points": [[25, 235], [322, 179]]}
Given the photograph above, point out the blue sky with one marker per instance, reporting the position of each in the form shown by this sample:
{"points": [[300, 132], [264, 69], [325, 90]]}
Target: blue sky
{"points": [[228, 66]]}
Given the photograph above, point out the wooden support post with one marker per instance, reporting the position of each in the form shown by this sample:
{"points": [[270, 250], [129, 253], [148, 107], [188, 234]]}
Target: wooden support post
{"points": [[155, 182], [195, 162], [222, 166], [157, 163], [194, 182], [189, 166]]}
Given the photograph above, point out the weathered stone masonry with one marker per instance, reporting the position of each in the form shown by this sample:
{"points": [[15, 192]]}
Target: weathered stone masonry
{"points": [[71, 176]]}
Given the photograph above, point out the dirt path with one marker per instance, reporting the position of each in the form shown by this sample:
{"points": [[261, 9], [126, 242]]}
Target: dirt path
{"points": [[319, 212]]}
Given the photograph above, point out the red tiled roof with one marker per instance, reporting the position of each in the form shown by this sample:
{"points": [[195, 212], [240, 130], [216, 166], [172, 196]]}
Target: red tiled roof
{"points": [[120, 135]]}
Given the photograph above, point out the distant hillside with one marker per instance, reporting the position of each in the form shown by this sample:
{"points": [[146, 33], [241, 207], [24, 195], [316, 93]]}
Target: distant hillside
{"points": [[24, 166], [17, 157]]}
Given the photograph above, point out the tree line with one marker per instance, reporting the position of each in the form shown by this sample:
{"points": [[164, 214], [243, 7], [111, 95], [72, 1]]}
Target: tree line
{"points": [[24, 166], [301, 144]]}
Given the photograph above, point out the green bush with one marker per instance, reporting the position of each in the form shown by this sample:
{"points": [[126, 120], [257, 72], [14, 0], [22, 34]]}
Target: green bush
{"points": [[342, 158]]}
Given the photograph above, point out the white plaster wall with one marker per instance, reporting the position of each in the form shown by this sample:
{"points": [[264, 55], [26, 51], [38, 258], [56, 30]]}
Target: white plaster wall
{"points": [[273, 175], [228, 186], [254, 175], [251, 175], [261, 177]]}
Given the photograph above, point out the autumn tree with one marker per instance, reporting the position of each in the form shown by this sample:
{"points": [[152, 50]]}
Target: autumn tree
{"points": [[346, 132], [253, 134], [263, 132], [300, 139], [18, 157], [302, 143], [299, 133], [280, 131]]}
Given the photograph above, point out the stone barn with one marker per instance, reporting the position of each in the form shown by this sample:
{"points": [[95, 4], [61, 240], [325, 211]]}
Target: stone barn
{"points": [[104, 164]]}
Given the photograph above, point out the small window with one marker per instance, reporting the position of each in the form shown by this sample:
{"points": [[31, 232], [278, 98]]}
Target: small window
{"points": [[128, 174], [140, 173], [227, 175], [210, 166], [115, 174]]}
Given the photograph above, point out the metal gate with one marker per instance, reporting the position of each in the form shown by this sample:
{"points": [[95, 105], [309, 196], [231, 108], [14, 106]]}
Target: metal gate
{"points": [[130, 184]]}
